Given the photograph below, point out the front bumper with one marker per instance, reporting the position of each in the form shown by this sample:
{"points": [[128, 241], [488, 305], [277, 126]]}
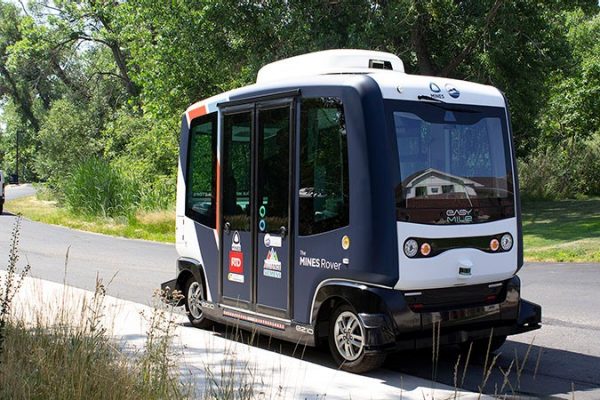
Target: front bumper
{"points": [[402, 328]]}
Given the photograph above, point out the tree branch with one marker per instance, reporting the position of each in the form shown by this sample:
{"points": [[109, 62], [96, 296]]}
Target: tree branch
{"points": [[468, 49]]}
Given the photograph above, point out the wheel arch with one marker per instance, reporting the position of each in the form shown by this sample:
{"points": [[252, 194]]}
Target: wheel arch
{"points": [[187, 268], [329, 295]]}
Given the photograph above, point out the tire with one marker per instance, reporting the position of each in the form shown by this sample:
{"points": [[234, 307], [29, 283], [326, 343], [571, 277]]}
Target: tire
{"points": [[194, 294], [346, 342]]}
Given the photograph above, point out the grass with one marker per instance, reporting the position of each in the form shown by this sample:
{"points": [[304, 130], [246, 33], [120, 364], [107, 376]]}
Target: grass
{"points": [[158, 226], [562, 231], [67, 352]]}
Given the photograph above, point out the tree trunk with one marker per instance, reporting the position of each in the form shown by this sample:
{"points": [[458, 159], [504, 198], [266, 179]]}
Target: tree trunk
{"points": [[22, 99], [424, 63]]}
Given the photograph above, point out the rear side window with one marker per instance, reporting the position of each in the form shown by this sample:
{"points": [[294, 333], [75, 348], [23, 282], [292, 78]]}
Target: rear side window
{"points": [[200, 199], [323, 189]]}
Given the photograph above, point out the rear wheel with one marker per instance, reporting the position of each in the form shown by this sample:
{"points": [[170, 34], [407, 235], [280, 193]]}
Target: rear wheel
{"points": [[347, 341], [194, 295]]}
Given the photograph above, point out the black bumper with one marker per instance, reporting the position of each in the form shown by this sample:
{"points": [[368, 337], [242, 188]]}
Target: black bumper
{"points": [[403, 328]]}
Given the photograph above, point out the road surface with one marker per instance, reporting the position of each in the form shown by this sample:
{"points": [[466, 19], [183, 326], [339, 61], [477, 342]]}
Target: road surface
{"points": [[16, 191], [568, 345]]}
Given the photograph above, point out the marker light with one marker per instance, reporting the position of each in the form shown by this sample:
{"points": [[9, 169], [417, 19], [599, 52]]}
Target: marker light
{"points": [[425, 249], [494, 244], [506, 241], [411, 247]]}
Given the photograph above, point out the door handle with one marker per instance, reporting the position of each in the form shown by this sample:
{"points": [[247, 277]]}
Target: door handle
{"points": [[227, 227], [283, 232]]}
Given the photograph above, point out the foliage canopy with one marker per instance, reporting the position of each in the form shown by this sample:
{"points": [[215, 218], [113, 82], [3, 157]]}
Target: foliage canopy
{"points": [[99, 79]]}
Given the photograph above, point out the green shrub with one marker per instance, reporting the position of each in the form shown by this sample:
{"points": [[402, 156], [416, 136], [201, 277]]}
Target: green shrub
{"points": [[562, 173], [67, 136], [159, 194], [97, 188]]}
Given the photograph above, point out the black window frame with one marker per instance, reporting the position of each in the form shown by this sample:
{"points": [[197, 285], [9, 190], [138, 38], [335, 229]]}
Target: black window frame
{"points": [[203, 219]]}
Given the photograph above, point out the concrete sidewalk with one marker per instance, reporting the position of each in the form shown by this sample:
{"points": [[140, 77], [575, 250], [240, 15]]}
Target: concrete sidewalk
{"points": [[209, 360]]}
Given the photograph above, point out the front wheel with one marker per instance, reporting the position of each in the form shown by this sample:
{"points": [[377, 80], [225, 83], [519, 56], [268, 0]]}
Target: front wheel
{"points": [[194, 295], [347, 340]]}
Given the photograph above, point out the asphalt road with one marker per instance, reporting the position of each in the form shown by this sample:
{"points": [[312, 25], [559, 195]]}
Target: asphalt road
{"points": [[16, 191], [567, 347]]}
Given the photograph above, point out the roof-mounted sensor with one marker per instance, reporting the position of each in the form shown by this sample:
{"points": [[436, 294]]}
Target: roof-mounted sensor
{"points": [[330, 62]]}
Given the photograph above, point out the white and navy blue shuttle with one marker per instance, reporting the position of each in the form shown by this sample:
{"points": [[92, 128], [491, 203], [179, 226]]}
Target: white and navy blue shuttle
{"points": [[340, 200]]}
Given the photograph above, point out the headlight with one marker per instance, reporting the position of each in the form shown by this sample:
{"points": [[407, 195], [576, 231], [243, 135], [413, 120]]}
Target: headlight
{"points": [[411, 247], [506, 241]]}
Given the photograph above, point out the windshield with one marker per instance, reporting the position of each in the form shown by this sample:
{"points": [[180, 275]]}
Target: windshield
{"points": [[455, 163]]}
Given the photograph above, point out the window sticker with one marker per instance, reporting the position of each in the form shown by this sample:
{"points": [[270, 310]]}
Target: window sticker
{"points": [[236, 245], [272, 266], [236, 266], [272, 240]]}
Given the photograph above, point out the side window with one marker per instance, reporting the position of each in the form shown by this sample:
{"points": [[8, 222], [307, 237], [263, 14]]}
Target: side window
{"points": [[200, 199], [237, 168], [323, 189]]}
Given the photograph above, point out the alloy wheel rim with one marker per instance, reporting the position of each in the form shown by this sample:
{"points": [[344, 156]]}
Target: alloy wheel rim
{"points": [[349, 336], [194, 296]]}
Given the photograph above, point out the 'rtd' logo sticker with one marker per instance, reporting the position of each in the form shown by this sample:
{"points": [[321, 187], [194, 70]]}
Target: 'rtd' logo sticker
{"points": [[236, 262]]}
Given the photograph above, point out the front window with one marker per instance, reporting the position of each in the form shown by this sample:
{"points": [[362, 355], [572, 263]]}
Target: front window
{"points": [[455, 163]]}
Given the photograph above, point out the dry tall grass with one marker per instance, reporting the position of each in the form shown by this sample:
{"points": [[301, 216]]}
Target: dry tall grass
{"points": [[65, 351]]}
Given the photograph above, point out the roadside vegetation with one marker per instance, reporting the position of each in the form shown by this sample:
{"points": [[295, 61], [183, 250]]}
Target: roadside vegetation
{"points": [[156, 225], [67, 352]]}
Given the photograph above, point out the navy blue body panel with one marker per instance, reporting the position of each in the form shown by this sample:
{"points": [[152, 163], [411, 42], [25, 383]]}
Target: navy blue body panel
{"points": [[372, 254], [517, 191], [238, 291], [272, 290], [373, 251]]}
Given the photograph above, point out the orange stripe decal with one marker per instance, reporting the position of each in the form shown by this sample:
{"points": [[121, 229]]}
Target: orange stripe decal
{"points": [[197, 112]]}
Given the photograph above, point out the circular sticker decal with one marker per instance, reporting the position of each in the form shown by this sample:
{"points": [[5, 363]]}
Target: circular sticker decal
{"points": [[262, 211], [267, 240], [262, 225], [345, 242]]}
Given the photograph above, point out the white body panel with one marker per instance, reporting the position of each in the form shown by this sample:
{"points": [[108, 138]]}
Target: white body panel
{"points": [[442, 270], [327, 62], [409, 87]]}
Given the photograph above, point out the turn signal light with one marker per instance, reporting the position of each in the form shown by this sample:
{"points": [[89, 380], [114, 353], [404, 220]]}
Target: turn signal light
{"points": [[425, 249], [494, 244]]}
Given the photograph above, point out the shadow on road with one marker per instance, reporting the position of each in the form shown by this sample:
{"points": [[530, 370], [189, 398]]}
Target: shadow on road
{"points": [[520, 369]]}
